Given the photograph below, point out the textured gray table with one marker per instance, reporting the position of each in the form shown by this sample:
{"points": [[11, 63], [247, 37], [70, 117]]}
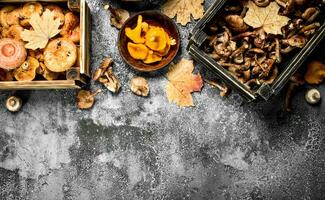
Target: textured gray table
{"points": [[129, 147]]}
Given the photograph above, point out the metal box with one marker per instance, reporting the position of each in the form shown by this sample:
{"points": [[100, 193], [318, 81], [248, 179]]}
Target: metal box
{"points": [[264, 92], [82, 76]]}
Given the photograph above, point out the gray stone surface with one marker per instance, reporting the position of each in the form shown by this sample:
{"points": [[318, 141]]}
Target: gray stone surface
{"points": [[129, 147]]}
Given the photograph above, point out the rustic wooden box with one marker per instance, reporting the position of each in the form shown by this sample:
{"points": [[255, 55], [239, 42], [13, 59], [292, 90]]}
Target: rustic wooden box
{"points": [[83, 75]]}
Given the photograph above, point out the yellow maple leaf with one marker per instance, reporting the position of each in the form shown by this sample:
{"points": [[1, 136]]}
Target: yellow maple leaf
{"points": [[267, 18], [182, 82], [183, 9], [45, 27]]}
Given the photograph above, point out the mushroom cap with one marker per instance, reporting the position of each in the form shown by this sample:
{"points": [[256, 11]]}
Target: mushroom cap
{"points": [[27, 71], [120, 19], [12, 53], [3, 15], [60, 55], [315, 73], [156, 38], [58, 13], [30, 8], [139, 86], [14, 104]]}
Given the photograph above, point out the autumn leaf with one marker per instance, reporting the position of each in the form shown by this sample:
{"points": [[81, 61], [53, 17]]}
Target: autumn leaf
{"points": [[267, 18], [183, 9], [44, 28], [182, 83]]}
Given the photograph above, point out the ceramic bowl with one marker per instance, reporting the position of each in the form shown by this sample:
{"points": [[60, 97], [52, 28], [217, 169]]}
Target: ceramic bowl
{"points": [[155, 18]]}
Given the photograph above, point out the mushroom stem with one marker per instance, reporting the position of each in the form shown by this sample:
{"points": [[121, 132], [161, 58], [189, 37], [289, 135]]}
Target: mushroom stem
{"points": [[94, 94]]}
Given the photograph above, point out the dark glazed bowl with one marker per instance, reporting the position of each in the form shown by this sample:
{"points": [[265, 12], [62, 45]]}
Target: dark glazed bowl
{"points": [[155, 18]]}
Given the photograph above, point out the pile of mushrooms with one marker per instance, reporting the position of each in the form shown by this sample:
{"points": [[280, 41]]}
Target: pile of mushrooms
{"points": [[251, 55], [60, 56]]}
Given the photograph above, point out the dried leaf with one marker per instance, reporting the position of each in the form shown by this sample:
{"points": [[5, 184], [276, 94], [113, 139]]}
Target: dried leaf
{"points": [[184, 9], [267, 18], [45, 27], [182, 83]]}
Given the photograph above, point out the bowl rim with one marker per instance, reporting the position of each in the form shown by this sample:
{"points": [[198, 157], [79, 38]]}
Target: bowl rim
{"points": [[150, 12]]}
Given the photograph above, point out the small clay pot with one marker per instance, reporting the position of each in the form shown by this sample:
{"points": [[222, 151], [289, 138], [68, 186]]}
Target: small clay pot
{"points": [[155, 18]]}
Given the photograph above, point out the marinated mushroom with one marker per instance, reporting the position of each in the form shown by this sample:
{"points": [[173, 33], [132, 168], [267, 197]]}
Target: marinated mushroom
{"points": [[139, 86], [135, 34], [86, 99], [27, 71], [315, 73], [138, 51], [12, 53], [60, 55], [30, 8]]}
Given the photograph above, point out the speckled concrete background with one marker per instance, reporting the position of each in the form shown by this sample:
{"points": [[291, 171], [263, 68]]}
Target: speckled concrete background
{"points": [[132, 148]]}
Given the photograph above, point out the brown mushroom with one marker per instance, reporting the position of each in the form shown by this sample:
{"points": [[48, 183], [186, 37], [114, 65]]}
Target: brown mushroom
{"points": [[27, 71], [262, 3], [71, 21], [107, 62], [315, 73], [139, 86], [30, 8], [14, 32], [60, 55], [46, 73], [58, 13], [118, 16], [12, 53], [86, 99], [3, 15], [236, 23], [14, 16]]}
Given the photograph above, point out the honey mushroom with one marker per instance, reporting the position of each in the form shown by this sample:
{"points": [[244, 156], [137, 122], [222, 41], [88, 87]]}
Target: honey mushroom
{"points": [[60, 55], [12, 53], [27, 71]]}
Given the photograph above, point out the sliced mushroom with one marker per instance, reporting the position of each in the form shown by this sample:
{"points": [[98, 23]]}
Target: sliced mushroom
{"points": [[86, 99], [139, 86]]}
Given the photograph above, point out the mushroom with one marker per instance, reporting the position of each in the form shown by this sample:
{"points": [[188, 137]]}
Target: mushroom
{"points": [[295, 41], [86, 99], [139, 86], [313, 96], [60, 55], [46, 73], [14, 16], [236, 23], [262, 3], [31, 8], [104, 74], [107, 62], [12, 53], [71, 21], [310, 14], [118, 16], [3, 15], [315, 73], [14, 103], [224, 90], [295, 81], [14, 32], [58, 13], [27, 71]]}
